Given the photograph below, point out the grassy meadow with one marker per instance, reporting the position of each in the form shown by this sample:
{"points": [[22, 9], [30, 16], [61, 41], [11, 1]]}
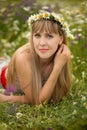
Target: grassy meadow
{"points": [[71, 113]]}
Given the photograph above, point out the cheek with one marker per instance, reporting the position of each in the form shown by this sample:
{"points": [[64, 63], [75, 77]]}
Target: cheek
{"points": [[55, 46], [55, 49], [34, 42]]}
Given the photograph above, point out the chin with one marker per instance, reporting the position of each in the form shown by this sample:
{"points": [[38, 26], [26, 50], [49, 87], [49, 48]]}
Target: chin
{"points": [[45, 57]]}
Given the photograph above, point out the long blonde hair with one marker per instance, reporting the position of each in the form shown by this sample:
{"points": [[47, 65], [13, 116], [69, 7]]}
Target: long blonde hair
{"points": [[63, 83]]}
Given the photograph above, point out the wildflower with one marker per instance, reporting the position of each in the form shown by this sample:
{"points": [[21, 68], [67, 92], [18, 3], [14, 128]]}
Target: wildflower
{"points": [[76, 81], [78, 36], [49, 128], [40, 16], [83, 116], [4, 125], [1, 90], [85, 105], [83, 98], [83, 74], [74, 103], [74, 112], [18, 115], [26, 9]]}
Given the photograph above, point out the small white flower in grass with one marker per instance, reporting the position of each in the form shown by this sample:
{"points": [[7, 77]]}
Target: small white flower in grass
{"points": [[79, 29], [70, 36], [85, 105], [74, 103], [80, 21], [76, 81], [27, 35], [75, 42], [74, 30], [83, 74], [26, 9], [83, 98], [18, 115], [1, 90], [4, 125], [83, 62], [45, 7], [83, 116], [74, 112], [72, 56]]}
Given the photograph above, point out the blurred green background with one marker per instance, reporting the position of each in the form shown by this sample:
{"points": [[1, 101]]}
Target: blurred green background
{"points": [[71, 113]]}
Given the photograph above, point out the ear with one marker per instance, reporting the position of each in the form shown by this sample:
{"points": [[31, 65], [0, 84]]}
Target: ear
{"points": [[61, 40]]}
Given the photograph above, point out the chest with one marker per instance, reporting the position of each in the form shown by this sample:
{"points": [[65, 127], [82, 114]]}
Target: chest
{"points": [[45, 73]]}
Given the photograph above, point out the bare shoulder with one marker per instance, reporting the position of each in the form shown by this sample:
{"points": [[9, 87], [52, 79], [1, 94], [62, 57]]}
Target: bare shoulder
{"points": [[23, 61], [23, 55], [23, 48]]}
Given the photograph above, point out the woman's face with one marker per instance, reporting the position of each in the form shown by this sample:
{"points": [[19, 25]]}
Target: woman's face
{"points": [[46, 44]]}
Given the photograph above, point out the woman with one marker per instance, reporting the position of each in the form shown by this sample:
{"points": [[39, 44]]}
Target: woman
{"points": [[40, 69]]}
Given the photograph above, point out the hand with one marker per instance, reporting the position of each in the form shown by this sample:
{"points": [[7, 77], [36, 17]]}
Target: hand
{"points": [[62, 56], [3, 98]]}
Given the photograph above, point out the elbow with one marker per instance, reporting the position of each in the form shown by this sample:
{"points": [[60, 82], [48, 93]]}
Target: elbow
{"points": [[25, 100], [42, 100]]}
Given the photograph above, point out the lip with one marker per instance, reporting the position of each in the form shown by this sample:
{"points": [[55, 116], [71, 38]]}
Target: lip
{"points": [[43, 50]]}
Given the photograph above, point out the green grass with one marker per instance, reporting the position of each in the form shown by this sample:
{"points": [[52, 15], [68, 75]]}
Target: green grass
{"points": [[69, 114]]}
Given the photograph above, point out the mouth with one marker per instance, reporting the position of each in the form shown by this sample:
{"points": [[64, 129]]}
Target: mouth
{"points": [[43, 50]]}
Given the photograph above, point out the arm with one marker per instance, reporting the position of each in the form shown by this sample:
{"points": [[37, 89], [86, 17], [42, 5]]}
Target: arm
{"points": [[12, 98], [23, 71], [48, 88], [61, 57]]}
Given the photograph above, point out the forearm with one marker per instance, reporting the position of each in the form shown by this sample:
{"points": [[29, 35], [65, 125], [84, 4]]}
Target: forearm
{"points": [[48, 88], [14, 98]]}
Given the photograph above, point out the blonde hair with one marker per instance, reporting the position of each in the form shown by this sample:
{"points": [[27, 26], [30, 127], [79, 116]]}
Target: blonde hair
{"points": [[63, 83]]}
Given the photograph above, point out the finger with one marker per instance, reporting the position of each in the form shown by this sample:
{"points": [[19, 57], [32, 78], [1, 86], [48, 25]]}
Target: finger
{"points": [[66, 49], [61, 49]]}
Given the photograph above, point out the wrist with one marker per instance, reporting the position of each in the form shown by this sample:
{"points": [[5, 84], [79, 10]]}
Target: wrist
{"points": [[13, 98], [56, 70]]}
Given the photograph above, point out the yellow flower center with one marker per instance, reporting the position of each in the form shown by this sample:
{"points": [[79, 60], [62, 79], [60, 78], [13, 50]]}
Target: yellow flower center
{"points": [[46, 15], [40, 16]]}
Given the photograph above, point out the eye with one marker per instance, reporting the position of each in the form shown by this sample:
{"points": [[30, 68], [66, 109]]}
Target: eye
{"points": [[37, 35], [49, 35]]}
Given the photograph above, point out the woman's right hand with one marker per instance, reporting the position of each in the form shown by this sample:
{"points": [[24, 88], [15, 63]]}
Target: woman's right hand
{"points": [[62, 56]]}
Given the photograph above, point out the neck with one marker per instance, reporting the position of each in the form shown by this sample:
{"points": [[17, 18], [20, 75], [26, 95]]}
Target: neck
{"points": [[46, 62], [46, 68]]}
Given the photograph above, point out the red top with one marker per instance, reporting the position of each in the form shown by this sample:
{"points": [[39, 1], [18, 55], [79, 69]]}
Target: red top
{"points": [[3, 77]]}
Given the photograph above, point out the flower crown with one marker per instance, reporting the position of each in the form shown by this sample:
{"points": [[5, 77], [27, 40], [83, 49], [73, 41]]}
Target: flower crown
{"points": [[52, 17]]}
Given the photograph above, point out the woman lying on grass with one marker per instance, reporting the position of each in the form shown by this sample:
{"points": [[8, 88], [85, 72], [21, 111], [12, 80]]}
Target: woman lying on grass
{"points": [[39, 70]]}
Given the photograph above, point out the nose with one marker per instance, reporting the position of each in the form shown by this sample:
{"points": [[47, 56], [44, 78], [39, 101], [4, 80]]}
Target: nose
{"points": [[42, 41]]}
